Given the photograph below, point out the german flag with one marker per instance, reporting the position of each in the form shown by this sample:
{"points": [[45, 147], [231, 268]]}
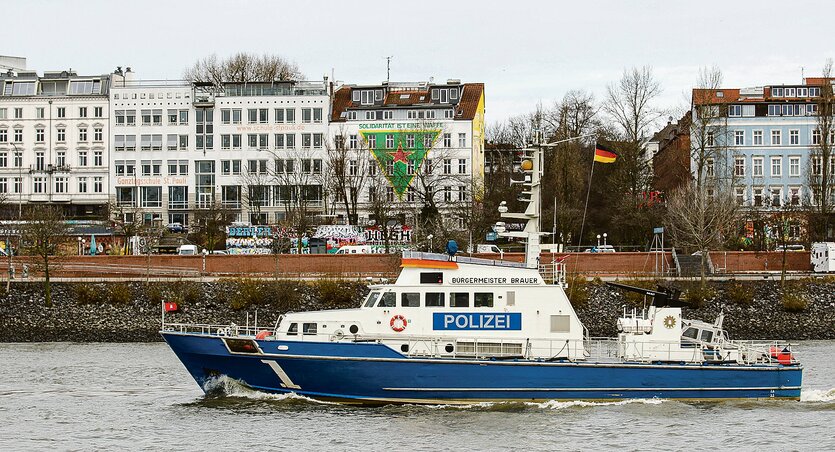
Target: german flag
{"points": [[603, 154]]}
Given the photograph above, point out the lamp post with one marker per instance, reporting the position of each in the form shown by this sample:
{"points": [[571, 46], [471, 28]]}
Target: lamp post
{"points": [[604, 239], [20, 178], [598, 240]]}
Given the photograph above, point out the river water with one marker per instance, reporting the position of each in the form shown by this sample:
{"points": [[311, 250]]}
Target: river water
{"points": [[67, 396]]}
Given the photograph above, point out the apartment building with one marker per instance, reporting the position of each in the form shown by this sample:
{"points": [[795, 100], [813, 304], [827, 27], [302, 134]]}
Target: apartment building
{"points": [[423, 140], [250, 148], [768, 137], [54, 141]]}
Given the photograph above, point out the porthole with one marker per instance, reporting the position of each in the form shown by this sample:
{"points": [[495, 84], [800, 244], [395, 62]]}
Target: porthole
{"points": [[404, 348], [449, 348], [353, 329]]}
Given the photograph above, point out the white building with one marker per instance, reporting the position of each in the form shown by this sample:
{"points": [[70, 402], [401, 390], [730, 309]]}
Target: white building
{"points": [[54, 140], [424, 140], [180, 147]]}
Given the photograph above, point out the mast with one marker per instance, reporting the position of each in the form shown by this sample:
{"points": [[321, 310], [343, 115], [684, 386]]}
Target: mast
{"points": [[532, 171]]}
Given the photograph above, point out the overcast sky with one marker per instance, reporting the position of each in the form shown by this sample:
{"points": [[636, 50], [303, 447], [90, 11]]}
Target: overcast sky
{"points": [[525, 52]]}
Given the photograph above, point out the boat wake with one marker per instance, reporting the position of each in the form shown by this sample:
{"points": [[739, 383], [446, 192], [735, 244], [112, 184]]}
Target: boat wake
{"points": [[817, 395], [560, 404], [547, 405], [224, 387]]}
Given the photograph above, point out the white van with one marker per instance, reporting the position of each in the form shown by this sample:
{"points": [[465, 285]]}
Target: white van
{"points": [[354, 249], [483, 248], [823, 257], [187, 250]]}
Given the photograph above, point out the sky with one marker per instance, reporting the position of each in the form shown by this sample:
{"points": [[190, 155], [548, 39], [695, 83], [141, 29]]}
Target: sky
{"points": [[526, 52]]}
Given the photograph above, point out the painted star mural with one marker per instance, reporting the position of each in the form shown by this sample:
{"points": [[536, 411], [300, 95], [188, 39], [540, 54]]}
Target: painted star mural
{"points": [[400, 155]]}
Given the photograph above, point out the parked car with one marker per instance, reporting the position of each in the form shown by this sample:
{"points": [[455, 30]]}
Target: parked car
{"points": [[187, 250], [176, 227], [780, 248]]}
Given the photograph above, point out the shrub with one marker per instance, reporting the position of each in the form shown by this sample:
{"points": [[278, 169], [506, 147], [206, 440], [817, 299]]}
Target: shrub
{"points": [[120, 294], [189, 292], [578, 291], [334, 294], [697, 294], [89, 293], [793, 300], [246, 293], [738, 293], [153, 294]]}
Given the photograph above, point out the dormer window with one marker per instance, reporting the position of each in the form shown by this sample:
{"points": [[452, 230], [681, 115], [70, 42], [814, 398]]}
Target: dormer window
{"points": [[367, 97], [776, 92], [720, 94], [453, 94]]}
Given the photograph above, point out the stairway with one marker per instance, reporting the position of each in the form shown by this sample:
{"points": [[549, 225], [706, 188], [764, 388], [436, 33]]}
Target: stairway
{"points": [[690, 265]]}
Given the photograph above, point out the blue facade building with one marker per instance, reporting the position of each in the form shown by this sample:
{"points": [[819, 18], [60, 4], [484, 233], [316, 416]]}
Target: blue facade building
{"points": [[765, 141]]}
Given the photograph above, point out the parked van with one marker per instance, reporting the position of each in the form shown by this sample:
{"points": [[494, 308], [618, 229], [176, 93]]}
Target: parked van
{"points": [[823, 257], [489, 249], [354, 249], [187, 250]]}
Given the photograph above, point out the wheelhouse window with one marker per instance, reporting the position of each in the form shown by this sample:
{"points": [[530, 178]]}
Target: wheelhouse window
{"points": [[410, 300], [309, 328], [388, 300], [459, 300], [435, 299], [483, 300], [293, 330], [372, 297]]}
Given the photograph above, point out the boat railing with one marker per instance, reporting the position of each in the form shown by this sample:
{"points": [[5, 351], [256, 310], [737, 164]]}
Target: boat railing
{"points": [[206, 329], [409, 254]]}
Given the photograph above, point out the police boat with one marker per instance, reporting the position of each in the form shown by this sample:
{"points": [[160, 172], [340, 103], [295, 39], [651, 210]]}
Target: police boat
{"points": [[455, 329]]}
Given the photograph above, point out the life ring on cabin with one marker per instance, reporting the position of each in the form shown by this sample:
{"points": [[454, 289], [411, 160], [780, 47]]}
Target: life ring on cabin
{"points": [[398, 323], [783, 356]]}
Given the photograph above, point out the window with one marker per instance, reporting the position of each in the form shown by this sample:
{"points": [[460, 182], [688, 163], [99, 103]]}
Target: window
{"points": [[61, 112], [236, 116], [776, 196], [709, 139], [4, 159], [317, 140], [3, 113], [4, 185], [172, 117], [62, 135], [462, 140], [776, 166], [757, 166], [435, 299], [739, 194], [372, 141], [709, 168], [307, 115], [40, 112], [352, 141], [370, 115], [388, 300], [462, 193], [775, 138], [18, 136], [459, 300], [794, 166], [410, 300], [98, 112], [309, 328], [151, 196], [18, 185], [146, 117], [734, 110], [483, 300], [98, 158], [758, 196], [82, 134], [39, 161], [366, 97], [130, 117], [61, 158], [758, 138], [816, 136], [794, 137], [447, 166], [61, 184], [18, 159], [82, 112], [430, 114], [307, 140], [290, 115], [447, 140], [794, 196], [293, 329], [462, 166], [252, 115], [39, 135], [739, 137], [388, 114], [389, 141], [4, 136], [18, 113], [38, 184]]}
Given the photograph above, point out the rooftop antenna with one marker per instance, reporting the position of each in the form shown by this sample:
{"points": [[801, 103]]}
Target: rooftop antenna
{"points": [[388, 68], [802, 75]]}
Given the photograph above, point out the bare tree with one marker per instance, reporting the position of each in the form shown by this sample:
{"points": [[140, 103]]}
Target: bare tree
{"points": [[700, 217], [255, 189], [348, 172], [210, 224], [709, 133], [383, 207], [299, 188], [242, 67], [44, 230], [821, 173]]}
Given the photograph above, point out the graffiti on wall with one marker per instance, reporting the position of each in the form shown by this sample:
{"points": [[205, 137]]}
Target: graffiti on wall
{"points": [[399, 152]]}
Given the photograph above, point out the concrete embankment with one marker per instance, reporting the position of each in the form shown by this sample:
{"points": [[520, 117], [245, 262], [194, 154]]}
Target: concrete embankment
{"points": [[127, 312]]}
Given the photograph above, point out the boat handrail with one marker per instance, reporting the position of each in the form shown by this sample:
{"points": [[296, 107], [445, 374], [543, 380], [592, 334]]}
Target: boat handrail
{"points": [[409, 254]]}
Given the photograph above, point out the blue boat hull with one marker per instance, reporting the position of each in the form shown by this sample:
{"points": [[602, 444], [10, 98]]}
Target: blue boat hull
{"points": [[373, 373]]}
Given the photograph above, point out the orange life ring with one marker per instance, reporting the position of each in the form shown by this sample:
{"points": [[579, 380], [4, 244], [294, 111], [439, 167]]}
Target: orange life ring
{"points": [[398, 323]]}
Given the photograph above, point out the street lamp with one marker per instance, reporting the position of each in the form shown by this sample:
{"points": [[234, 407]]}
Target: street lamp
{"points": [[598, 240], [604, 239], [20, 178]]}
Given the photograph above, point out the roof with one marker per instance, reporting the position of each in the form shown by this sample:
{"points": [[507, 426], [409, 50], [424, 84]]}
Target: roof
{"points": [[465, 109]]}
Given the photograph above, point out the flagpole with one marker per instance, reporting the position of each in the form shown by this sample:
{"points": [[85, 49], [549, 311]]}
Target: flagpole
{"points": [[586, 208]]}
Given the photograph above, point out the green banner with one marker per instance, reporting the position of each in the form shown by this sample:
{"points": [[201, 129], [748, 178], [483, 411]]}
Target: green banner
{"points": [[398, 150]]}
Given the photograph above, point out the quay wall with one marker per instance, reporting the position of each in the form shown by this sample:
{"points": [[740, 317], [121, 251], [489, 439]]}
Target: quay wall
{"points": [[130, 311], [378, 265]]}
